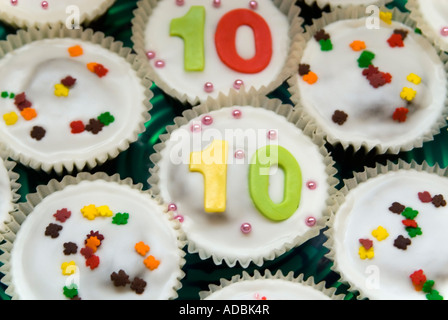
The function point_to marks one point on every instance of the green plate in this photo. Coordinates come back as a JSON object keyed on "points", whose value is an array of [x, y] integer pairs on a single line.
{"points": [[308, 258]]}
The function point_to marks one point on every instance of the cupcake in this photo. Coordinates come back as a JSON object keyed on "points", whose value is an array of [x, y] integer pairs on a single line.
{"points": [[70, 98], [93, 236], [387, 229], [385, 85], [194, 61], [432, 19], [269, 287], [247, 178], [30, 13], [9, 187]]}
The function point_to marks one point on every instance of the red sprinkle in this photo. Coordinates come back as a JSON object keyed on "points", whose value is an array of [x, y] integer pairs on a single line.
{"points": [[396, 40], [77, 126], [425, 197], [366, 243], [400, 114], [100, 70], [93, 262], [410, 223]]}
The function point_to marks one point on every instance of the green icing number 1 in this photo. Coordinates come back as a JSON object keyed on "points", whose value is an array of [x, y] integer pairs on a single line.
{"points": [[264, 158], [190, 28]]}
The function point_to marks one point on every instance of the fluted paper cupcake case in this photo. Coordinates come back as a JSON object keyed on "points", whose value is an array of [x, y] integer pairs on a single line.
{"points": [[85, 18], [250, 98], [32, 200], [350, 184], [323, 3], [142, 15], [23, 38], [424, 25], [355, 12], [14, 186], [299, 280]]}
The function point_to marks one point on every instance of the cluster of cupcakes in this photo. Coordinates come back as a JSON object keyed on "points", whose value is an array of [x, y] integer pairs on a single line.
{"points": [[239, 178]]}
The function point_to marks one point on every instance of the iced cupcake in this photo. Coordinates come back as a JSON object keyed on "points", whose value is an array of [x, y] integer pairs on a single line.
{"points": [[197, 49], [70, 98], [432, 19], [386, 232], [247, 178], [385, 85], [93, 236], [31, 13], [269, 287]]}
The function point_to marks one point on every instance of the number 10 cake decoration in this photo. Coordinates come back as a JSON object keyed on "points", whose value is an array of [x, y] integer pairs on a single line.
{"points": [[198, 49]]}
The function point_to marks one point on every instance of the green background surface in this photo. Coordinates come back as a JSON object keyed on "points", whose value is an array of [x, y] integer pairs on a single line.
{"points": [[308, 258]]}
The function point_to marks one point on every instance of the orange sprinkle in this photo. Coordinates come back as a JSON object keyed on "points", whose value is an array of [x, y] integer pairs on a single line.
{"points": [[93, 243], [310, 77], [141, 248], [358, 45], [75, 51], [91, 66], [151, 263], [28, 113]]}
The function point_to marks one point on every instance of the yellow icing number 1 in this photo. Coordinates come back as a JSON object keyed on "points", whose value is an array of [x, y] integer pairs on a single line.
{"points": [[212, 163]]}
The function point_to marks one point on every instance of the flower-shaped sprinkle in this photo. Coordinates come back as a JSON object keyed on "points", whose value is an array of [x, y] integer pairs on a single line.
{"points": [[408, 94], [141, 248], [366, 253], [90, 212], [68, 268], [60, 90], [10, 118], [151, 263], [380, 233]]}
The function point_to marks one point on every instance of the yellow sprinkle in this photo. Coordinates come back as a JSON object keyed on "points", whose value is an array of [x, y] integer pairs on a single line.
{"points": [[408, 94], [60, 90], [386, 17], [366, 254], [380, 233], [10, 118], [89, 212], [415, 79], [104, 211], [68, 268]]}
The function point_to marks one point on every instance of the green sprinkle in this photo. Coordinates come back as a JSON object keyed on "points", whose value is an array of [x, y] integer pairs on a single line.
{"points": [[12, 95], [106, 118], [434, 295], [120, 218], [413, 232], [410, 213], [427, 287], [326, 45], [71, 291], [418, 31], [365, 60], [5, 94]]}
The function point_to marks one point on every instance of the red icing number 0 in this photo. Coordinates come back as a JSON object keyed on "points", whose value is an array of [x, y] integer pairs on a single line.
{"points": [[225, 40], [225, 37]]}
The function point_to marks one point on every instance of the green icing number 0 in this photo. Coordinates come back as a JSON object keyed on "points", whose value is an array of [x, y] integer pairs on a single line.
{"points": [[264, 158]]}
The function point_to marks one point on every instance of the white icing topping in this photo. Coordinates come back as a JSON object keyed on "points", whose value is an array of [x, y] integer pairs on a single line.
{"points": [[119, 92], [171, 49], [267, 289], [370, 110], [387, 275], [435, 14], [219, 233], [33, 12], [36, 259]]}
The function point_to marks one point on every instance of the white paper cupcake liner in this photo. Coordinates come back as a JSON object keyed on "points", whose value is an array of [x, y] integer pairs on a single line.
{"points": [[350, 184], [250, 98], [23, 38], [355, 12], [85, 18], [245, 276], [334, 4], [32, 200], [14, 186], [142, 15]]}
